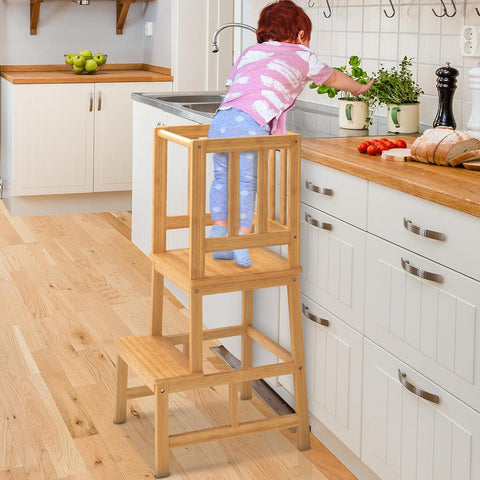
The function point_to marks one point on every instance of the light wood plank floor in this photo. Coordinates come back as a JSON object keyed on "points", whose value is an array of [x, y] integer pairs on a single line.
{"points": [[69, 285]]}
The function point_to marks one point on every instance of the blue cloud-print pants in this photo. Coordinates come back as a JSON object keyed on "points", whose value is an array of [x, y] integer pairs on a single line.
{"points": [[234, 123]]}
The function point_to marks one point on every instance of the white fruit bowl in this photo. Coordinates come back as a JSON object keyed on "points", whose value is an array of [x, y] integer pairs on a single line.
{"points": [[83, 71]]}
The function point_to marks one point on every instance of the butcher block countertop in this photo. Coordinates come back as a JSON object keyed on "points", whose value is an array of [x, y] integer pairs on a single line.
{"points": [[120, 72], [454, 187]]}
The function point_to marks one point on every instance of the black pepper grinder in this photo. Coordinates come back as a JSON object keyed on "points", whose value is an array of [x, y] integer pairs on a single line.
{"points": [[446, 86]]}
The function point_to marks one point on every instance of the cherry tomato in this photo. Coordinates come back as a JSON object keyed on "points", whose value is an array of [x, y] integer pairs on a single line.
{"points": [[373, 150], [400, 143], [362, 148], [389, 144]]}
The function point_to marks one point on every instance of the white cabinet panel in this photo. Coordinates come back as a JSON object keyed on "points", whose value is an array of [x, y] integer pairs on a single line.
{"points": [[339, 194], [333, 261], [434, 326], [411, 222], [406, 437], [51, 143], [334, 374], [113, 132]]}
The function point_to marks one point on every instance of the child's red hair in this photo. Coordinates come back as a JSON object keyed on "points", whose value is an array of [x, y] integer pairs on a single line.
{"points": [[282, 21]]}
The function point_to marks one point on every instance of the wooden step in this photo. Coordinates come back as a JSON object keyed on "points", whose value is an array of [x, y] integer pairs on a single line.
{"points": [[269, 269], [155, 359]]}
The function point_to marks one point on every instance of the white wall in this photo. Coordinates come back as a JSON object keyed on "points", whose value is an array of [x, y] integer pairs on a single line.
{"points": [[66, 27], [359, 27]]}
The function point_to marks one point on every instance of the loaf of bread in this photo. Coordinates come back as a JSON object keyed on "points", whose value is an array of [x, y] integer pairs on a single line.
{"points": [[443, 146]]}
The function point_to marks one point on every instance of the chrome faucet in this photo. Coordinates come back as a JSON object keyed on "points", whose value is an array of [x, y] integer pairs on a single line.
{"points": [[214, 47]]}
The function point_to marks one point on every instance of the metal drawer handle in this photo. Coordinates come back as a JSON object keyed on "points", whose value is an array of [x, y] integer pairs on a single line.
{"points": [[431, 397], [99, 104], [434, 277], [423, 232], [320, 190], [311, 316], [91, 103], [316, 223]]}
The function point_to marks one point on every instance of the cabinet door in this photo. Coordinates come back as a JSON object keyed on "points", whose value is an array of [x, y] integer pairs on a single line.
{"points": [[431, 321], [113, 132], [52, 143], [333, 261], [406, 437], [333, 362]]}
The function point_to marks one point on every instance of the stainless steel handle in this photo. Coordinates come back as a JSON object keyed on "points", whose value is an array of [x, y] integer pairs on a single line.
{"points": [[431, 397], [99, 101], [423, 232], [90, 109], [316, 223], [316, 189], [434, 277], [311, 316]]}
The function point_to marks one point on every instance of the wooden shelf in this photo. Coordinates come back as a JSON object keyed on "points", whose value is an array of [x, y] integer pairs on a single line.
{"points": [[123, 6]]}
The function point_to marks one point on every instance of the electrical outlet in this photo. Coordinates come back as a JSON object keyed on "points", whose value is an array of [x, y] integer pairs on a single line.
{"points": [[148, 29], [470, 41]]}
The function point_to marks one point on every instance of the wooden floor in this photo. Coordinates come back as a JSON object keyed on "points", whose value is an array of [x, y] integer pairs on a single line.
{"points": [[69, 285]]}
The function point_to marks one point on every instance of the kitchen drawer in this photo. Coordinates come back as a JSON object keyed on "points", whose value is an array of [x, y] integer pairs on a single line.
{"points": [[404, 219], [408, 437], [333, 262], [433, 324], [333, 362], [342, 195]]}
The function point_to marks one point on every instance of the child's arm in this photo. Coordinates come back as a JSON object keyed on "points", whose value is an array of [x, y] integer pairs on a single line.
{"points": [[343, 82]]}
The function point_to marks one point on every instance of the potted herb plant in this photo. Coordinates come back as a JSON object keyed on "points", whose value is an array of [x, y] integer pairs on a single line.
{"points": [[396, 88], [354, 112]]}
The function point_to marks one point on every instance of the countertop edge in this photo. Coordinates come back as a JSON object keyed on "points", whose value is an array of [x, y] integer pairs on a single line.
{"points": [[443, 196], [126, 72]]}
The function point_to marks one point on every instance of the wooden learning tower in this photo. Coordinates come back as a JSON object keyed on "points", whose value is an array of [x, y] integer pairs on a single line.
{"points": [[154, 357]]}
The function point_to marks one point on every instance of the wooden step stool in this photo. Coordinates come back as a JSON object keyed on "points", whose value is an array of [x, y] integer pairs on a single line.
{"points": [[155, 357]]}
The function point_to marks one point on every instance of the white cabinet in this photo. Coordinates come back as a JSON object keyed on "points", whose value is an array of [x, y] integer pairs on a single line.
{"points": [[68, 138], [333, 358], [402, 271], [407, 437], [432, 323]]}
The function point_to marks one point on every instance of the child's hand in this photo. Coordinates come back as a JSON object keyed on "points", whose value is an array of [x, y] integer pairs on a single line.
{"points": [[362, 88]]}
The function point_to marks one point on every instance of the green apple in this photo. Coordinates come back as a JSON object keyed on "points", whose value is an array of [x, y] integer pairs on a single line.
{"points": [[86, 53], [69, 58], [77, 69], [79, 60], [91, 65], [99, 58]]}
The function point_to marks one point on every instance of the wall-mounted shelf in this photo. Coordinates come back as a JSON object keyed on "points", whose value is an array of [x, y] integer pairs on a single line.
{"points": [[123, 7]]}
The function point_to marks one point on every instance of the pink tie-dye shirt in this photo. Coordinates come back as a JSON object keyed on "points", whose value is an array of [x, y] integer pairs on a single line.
{"points": [[267, 79]]}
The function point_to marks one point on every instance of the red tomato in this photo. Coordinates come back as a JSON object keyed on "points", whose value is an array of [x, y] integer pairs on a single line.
{"points": [[373, 150], [400, 143], [362, 148], [389, 144]]}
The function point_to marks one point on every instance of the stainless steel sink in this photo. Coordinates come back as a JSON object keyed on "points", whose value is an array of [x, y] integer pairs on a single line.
{"points": [[191, 98], [195, 106], [203, 107]]}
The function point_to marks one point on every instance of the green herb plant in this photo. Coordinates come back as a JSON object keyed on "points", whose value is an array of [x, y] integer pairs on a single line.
{"points": [[395, 85], [353, 70]]}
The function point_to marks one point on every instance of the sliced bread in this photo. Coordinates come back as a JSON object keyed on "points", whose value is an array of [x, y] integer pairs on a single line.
{"points": [[397, 154], [423, 148], [465, 157], [455, 145]]}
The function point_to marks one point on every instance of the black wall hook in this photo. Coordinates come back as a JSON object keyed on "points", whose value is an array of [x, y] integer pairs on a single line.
{"points": [[445, 13], [393, 10], [329, 11]]}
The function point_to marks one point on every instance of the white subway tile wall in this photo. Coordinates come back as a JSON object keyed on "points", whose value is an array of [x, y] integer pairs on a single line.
{"points": [[381, 34]]}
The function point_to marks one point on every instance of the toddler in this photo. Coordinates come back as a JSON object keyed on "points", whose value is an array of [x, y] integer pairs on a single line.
{"points": [[263, 85]]}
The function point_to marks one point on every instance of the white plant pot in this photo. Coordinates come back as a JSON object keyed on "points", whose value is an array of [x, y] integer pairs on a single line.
{"points": [[352, 114], [403, 118]]}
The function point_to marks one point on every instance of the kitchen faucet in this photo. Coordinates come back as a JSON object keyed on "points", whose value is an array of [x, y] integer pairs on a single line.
{"points": [[214, 46]]}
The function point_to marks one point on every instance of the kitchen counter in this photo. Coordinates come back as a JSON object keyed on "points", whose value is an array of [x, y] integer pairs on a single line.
{"points": [[456, 188], [132, 72]]}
